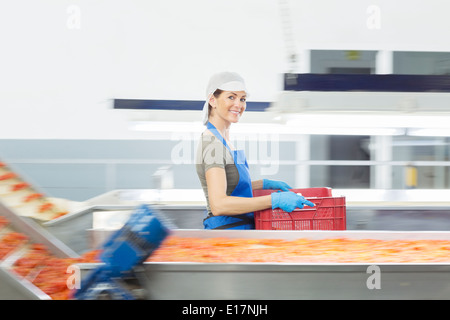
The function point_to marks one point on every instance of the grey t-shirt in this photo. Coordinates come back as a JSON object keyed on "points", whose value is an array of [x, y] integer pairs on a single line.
{"points": [[211, 153]]}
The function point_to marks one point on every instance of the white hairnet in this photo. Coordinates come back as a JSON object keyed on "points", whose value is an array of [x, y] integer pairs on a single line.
{"points": [[227, 81]]}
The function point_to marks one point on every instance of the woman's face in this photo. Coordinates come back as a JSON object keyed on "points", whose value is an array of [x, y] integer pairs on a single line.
{"points": [[229, 106]]}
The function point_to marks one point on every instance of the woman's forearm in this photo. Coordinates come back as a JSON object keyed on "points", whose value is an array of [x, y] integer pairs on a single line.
{"points": [[257, 184], [230, 205], [221, 204]]}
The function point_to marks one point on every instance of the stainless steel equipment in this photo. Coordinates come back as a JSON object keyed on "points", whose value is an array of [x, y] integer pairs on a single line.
{"points": [[72, 228]]}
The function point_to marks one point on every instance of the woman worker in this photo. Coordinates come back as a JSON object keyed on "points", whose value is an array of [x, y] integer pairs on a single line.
{"points": [[223, 171]]}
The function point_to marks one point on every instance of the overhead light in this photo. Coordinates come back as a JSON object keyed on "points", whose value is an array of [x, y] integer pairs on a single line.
{"points": [[351, 131], [318, 124], [165, 126], [345, 124], [369, 120], [263, 128], [429, 132]]}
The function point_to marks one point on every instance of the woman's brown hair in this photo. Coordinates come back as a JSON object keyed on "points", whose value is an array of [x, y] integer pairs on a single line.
{"points": [[216, 94]]}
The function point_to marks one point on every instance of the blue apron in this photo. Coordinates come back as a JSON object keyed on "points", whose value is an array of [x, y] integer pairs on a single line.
{"points": [[243, 189]]}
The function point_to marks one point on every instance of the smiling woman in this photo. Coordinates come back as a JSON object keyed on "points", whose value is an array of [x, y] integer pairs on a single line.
{"points": [[227, 105], [223, 171]]}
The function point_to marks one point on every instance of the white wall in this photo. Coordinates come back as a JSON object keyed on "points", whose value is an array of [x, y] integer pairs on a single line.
{"points": [[410, 25], [61, 62]]}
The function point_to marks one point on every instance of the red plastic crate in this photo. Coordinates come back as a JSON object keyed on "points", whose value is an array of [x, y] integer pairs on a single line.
{"points": [[329, 213]]}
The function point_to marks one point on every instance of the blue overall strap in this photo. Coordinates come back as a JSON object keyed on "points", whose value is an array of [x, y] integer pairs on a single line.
{"points": [[217, 134]]}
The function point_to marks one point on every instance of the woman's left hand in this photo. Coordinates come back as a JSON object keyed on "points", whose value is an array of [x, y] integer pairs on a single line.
{"points": [[275, 185]]}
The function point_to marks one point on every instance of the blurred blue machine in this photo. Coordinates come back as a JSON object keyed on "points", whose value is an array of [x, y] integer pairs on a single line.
{"points": [[122, 255]]}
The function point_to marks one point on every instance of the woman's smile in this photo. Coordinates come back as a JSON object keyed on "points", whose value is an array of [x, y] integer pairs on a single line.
{"points": [[236, 112]]}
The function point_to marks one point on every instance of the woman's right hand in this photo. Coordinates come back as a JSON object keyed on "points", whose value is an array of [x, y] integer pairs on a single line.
{"points": [[288, 201]]}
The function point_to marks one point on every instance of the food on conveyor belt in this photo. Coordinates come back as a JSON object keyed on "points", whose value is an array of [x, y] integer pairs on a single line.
{"points": [[19, 195], [8, 176], [37, 264], [32, 196], [3, 222], [47, 272], [10, 242], [340, 250]]}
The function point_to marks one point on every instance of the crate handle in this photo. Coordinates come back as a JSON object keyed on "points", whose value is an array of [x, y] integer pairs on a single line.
{"points": [[311, 208]]}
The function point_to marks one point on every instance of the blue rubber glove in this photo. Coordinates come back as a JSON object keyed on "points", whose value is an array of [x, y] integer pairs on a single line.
{"points": [[288, 201], [275, 185]]}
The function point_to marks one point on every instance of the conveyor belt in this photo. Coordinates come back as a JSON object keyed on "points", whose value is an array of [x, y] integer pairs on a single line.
{"points": [[13, 286], [25, 199], [295, 280], [72, 228]]}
